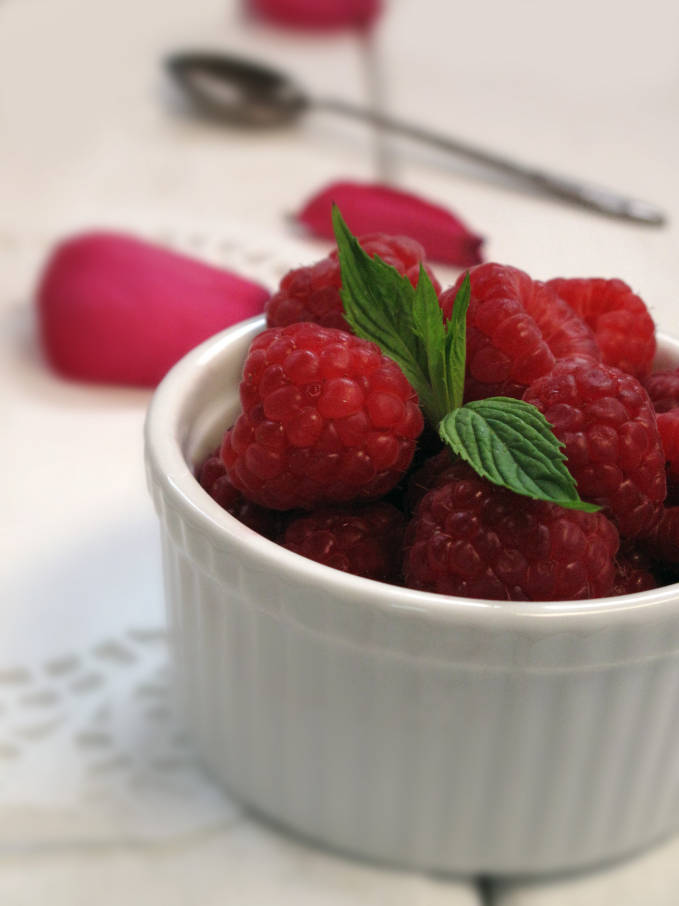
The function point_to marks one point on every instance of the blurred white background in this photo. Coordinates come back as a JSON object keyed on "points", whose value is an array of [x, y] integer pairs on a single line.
{"points": [[88, 129]]}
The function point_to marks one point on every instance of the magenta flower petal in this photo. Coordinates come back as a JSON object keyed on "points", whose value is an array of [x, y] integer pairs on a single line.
{"points": [[318, 14], [114, 309], [369, 208]]}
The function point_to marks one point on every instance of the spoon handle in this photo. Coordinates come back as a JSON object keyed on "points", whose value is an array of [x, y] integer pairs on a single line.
{"points": [[373, 74], [599, 199]]}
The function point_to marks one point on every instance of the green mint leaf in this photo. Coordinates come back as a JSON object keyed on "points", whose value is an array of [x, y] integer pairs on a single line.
{"points": [[512, 444], [378, 305], [456, 343], [429, 328], [406, 323]]}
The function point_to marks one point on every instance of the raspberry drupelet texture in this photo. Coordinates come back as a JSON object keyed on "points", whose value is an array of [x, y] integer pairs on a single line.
{"points": [[663, 389], [620, 320], [472, 538], [213, 478], [668, 426], [516, 329], [313, 293], [662, 543], [326, 419], [633, 571], [422, 479], [365, 541], [608, 427]]}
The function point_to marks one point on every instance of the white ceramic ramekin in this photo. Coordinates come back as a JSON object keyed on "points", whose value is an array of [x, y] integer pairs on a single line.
{"points": [[425, 731]]}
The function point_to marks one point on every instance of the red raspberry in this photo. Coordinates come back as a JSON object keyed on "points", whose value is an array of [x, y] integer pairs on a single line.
{"points": [[365, 541], [620, 320], [662, 543], [516, 329], [472, 538], [668, 426], [423, 479], [213, 478], [663, 388], [312, 293], [607, 424], [633, 572], [326, 419]]}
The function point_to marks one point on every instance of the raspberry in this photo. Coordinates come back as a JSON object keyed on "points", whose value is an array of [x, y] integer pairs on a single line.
{"points": [[312, 293], [662, 543], [516, 329], [423, 479], [365, 541], [472, 538], [326, 419], [607, 424], [213, 478], [620, 320], [633, 572], [668, 426], [663, 388]]}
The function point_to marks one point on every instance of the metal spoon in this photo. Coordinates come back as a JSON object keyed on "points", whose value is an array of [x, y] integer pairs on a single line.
{"points": [[248, 93]]}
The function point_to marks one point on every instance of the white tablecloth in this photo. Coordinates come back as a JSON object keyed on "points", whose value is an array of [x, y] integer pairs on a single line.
{"points": [[98, 792]]}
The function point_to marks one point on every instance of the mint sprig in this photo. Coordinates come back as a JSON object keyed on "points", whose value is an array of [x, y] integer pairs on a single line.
{"points": [[382, 306], [507, 441]]}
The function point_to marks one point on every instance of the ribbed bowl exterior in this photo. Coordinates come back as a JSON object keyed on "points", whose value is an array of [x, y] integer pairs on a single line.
{"points": [[413, 729]]}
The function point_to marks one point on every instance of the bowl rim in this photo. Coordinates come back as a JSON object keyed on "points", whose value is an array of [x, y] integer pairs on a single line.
{"points": [[168, 468]]}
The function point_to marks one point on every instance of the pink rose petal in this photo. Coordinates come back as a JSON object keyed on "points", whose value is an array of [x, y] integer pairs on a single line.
{"points": [[369, 208], [318, 14], [118, 310]]}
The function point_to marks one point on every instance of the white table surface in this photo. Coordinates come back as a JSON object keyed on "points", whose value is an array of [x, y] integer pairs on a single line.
{"points": [[98, 793]]}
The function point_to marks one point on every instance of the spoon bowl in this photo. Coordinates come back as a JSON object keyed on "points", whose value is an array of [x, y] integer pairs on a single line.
{"points": [[238, 91]]}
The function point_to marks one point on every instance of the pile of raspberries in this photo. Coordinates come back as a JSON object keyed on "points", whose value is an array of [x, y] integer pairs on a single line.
{"points": [[330, 456]]}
